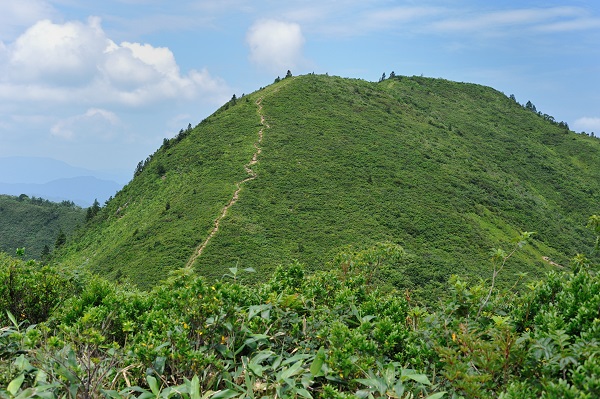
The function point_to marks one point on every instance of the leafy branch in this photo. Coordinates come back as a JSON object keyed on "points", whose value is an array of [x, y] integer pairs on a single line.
{"points": [[499, 259]]}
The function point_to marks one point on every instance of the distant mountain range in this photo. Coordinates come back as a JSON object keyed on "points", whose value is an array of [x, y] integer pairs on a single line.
{"points": [[56, 180]]}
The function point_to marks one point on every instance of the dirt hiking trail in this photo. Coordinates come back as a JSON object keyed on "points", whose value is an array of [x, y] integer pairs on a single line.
{"points": [[234, 198]]}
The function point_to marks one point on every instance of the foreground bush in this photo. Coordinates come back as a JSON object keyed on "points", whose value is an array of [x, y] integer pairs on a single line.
{"points": [[331, 335], [30, 290]]}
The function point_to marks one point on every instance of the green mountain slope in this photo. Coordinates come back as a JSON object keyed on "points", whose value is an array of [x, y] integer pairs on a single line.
{"points": [[33, 223], [447, 170]]}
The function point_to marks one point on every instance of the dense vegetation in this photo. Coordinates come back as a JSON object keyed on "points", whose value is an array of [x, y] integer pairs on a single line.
{"points": [[444, 169], [387, 194], [332, 334], [34, 223]]}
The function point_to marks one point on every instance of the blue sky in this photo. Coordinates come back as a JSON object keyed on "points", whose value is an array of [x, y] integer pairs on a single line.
{"points": [[99, 84]]}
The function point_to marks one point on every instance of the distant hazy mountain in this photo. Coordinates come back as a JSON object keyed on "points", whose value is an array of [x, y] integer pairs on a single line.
{"points": [[82, 190], [43, 170], [56, 180]]}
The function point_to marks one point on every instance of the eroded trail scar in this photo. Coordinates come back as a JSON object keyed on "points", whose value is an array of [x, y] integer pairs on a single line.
{"points": [[251, 175]]}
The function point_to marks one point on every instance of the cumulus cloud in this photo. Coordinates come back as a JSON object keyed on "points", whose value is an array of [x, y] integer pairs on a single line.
{"points": [[587, 124], [94, 123], [76, 62], [57, 54], [275, 45]]}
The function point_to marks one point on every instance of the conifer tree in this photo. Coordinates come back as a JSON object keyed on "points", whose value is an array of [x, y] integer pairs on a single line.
{"points": [[45, 253], [92, 211], [61, 239]]}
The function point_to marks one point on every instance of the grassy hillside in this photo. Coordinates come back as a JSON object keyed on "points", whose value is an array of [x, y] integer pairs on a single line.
{"points": [[34, 222], [447, 170]]}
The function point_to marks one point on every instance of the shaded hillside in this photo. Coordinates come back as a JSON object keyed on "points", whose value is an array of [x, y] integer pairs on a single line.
{"points": [[33, 223], [447, 170]]}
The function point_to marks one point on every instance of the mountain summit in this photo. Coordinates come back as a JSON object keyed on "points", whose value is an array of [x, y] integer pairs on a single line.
{"points": [[311, 165]]}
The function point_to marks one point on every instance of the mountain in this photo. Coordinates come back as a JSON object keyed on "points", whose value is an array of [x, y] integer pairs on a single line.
{"points": [[82, 190], [56, 180], [313, 166], [32, 223]]}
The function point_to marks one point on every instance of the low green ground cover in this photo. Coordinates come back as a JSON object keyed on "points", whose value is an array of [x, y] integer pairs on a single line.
{"points": [[333, 334]]}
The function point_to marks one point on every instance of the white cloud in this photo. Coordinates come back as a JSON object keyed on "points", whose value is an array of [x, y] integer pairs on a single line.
{"points": [[76, 63], [507, 20], [383, 18], [339, 21], [160, 57], [16, 14], [570, 25], [3, 54], [124, 71], [275, 45], [95, 122], [587, 124], [58, 54]]}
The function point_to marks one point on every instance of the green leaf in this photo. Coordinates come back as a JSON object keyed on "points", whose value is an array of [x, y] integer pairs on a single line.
{"points": [[276, 362], [421, 378], [15, 384], [23, 364], [46, 391], [167, 392], [225, 394], [110, 393], [399, 389], [12, 319], [367, 318], [195, 388], [67, 374], [73, 388], [256, 368], [261, 356], [374, 384], [253, 311], [40, 378], [27, 393], [304, 393], [390, 374], [255, 337], [292, 370], [159, 362], [299, 356], [437, 395], [317, 364], [153, 384]]}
